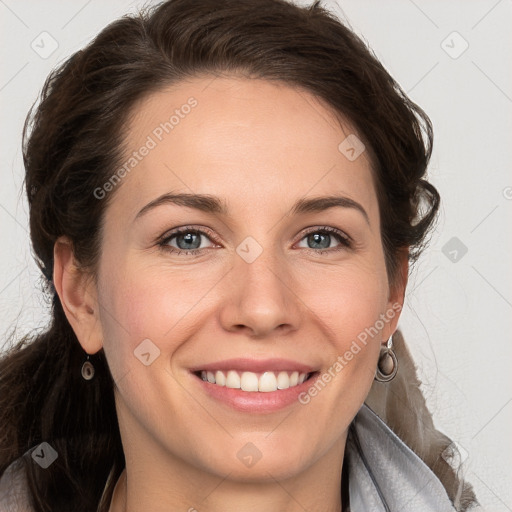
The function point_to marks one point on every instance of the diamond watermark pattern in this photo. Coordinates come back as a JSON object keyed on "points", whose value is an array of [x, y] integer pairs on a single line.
{"points": [[44, 45], [352, 147], [455, 454], [249, 249], [454, 45], [146, 352], [249, 455], [44, 455], [454, 249]]}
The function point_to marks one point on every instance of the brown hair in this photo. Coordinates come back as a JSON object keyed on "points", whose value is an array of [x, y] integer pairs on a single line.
{"points": [[73, 142]]}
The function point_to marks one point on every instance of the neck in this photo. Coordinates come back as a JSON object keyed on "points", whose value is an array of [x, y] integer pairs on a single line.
{"points": [[134, 493]]}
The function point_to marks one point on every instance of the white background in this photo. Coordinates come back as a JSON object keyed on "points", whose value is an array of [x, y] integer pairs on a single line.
{"points": [[457, 320]]}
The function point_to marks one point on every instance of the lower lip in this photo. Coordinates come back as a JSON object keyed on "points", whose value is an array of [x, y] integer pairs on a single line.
{"points": [[256, 401]]}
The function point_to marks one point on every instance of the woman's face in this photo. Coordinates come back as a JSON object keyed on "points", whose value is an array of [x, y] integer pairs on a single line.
{"points": [[260, 288]]}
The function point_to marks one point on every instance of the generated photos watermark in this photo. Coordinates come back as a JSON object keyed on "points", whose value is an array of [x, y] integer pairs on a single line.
{"points": [[152, 140], [343, 359]]}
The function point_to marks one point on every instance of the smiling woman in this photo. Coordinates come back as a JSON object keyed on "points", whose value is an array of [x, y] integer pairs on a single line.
{"points": [[225, 197]]}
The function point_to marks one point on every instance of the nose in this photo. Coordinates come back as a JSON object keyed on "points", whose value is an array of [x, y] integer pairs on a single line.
{"points": [[260, 298]]}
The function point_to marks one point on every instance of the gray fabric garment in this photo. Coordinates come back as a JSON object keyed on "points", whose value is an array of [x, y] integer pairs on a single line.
{"points": [[385, 475], [13, 490]]}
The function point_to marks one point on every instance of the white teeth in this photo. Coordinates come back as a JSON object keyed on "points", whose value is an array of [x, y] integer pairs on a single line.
{"points": [[283, 381], [220, 379], [233, 380], [268, 382], [249, 381]]}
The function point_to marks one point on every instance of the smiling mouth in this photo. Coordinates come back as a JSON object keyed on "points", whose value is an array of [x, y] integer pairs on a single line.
{"points": [[264, 382]]}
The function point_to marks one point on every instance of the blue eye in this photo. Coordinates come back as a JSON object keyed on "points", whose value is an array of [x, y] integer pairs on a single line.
{"points": [[319, 240], [188, 240]]}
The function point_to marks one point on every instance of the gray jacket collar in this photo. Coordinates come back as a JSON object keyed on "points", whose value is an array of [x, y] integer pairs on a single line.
{"points": [[385, 475]]}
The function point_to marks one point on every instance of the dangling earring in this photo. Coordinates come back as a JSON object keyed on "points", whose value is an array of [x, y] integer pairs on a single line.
{"points": [[87, 369], [387, 366]]}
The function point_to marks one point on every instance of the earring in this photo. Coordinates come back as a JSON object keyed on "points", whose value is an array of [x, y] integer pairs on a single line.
{"points": [[387, 366], [87, 369]]}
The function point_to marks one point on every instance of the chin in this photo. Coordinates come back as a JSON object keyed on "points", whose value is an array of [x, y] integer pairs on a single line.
{"points": [[262, 460]]}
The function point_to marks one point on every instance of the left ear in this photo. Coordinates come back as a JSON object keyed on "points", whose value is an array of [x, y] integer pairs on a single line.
{"points": [[397, 294], [77, 294]]}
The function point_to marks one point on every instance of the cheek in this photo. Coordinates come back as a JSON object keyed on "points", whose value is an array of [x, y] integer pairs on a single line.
{"points": [[349, 304], [350, 312], [141, 304], [349, 298]]}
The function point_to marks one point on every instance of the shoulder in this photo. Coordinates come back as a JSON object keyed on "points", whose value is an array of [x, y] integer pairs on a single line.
{"points": [[14, 492], [385, 474]]}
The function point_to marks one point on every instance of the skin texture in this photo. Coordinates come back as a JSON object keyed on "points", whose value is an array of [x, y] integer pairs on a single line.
{"points": [[260, 147]]}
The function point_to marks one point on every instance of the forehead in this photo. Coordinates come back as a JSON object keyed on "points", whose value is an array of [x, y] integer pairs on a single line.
{"points": [[247, 140]]}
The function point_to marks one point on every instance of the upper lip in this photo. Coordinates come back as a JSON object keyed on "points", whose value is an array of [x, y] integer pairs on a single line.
{"points": [[256, 365]]}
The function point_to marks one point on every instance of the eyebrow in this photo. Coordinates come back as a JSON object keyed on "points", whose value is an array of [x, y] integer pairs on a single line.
{"points": [[211, 204]]}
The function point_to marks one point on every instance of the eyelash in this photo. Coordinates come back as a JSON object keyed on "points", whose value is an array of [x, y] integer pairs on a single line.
{"points": [[345, 241]]}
